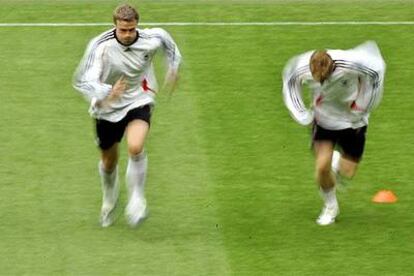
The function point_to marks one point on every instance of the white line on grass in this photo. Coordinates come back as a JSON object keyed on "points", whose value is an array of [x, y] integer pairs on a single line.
{"points": [[275, 23]]}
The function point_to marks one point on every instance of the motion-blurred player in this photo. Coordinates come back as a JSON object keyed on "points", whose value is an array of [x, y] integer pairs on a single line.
{"points": [[346, 85]]}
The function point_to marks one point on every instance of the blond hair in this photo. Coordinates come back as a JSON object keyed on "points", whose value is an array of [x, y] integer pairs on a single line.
{"points": [[125, 12], [321, 65]]}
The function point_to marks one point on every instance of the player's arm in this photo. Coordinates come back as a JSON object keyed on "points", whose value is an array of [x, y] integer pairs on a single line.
{"points": [[370, 89], [293, 78], [87, 76], [87, 79], [371, 84], [173, 57], [367, 63]]}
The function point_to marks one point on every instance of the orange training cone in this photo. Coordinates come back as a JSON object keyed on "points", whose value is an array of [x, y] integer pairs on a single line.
{"points": [[385, 196]]}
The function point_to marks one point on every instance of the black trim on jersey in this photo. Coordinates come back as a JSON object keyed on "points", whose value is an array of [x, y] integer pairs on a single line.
{"points": [[293, 88], [105, 37], [168, 45], [367, 71], [90, 58], [358, 67]]}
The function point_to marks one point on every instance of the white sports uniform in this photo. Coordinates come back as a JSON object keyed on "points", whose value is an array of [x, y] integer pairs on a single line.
{"points": [[106, 60], [346, 98]]}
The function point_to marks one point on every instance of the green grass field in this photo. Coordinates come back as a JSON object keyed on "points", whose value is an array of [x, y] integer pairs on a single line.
{"points": [[230, 186]]}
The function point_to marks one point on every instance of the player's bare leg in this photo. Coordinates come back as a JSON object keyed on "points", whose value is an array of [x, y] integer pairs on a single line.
{"points": [[326, 180], [344, 167], [108, 170], [347, 166], [136, 209]]}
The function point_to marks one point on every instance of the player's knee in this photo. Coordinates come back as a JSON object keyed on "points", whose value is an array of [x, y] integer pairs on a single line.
{"points": [[109, 164], [109, 161], [323, 171], [348, 172], [349, 167], [134, 150]]}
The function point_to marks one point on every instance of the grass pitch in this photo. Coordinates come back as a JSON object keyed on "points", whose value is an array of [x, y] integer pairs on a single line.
{"points": [[230, 186]]}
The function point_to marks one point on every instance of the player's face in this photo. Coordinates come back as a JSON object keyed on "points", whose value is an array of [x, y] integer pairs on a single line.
{"points": [[126, 31]]}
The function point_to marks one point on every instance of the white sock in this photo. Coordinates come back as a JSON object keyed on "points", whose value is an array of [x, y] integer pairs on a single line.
{"points": [[136, 175], [109, 183], [329, 196]]}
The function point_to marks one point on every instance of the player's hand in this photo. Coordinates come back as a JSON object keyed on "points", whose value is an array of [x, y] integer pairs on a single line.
{"points": [[118, 88], [307, 118]]}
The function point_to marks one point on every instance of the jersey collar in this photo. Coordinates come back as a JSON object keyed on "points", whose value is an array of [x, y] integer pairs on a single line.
{"points": [[126, 45]]}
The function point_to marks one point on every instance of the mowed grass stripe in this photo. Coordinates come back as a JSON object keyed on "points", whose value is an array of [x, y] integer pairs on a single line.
{"points": [[183, 184]]}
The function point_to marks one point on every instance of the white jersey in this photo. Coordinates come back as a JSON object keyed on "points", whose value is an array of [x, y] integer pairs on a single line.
{"points": [[106, 60], [346, 98]]}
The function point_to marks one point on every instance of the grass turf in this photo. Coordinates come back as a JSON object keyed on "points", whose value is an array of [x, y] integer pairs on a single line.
{"points": [[230, 185]]}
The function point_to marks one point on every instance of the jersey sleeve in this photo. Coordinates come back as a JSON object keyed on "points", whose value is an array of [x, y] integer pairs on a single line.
{"points": [[173, 55], [367, 62], [372, 77], [370, 93], [87, 76], [294, 76]]}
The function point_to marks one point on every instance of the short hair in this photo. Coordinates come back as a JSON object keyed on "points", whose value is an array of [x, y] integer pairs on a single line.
{"points": [[321, 65], [125, 12]]}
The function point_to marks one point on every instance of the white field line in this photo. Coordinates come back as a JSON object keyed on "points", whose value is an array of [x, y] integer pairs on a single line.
{"points": [[275, 23]]}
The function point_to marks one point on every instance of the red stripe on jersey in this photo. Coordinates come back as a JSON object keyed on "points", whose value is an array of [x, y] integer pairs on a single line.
{"points": [[355, 107], [145, 87]]}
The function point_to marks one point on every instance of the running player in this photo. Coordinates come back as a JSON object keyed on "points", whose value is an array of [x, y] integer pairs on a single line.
{"points": [[346, 85], [117, 78]]}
